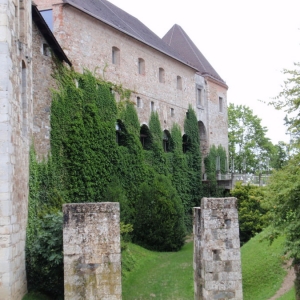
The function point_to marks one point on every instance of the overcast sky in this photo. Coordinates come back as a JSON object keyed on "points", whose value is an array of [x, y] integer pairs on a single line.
{"points": [[248, 43]]}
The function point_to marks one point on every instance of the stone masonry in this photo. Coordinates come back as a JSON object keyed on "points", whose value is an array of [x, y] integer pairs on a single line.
{"points": [[92, 253], [15, 129], [217, 259]]}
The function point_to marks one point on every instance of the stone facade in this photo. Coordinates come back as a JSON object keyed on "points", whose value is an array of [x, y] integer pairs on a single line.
{"points": [[25, 100], [92, 251], [15, 130], [88, 42], [217, 258]]}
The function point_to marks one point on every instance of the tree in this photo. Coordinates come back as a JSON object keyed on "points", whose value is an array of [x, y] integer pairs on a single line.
{"points": [[284, 187], [249, 147]]}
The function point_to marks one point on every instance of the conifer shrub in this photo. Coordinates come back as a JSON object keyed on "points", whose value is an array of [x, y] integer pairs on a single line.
{"points": [[159, 221]]}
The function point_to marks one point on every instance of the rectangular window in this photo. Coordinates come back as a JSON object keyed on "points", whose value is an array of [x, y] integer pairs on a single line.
{"points": [[152, 106], [138, 102], [199, 97], [172, 112], [115, 56], [141, 66], [220, 104]]}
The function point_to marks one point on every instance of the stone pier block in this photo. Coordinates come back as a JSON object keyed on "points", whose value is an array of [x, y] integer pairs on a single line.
{"points": [[217, 259], [92, 252]]}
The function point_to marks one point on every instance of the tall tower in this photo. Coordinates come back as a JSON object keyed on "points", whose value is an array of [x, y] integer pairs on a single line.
{"points": [[15, 129]]}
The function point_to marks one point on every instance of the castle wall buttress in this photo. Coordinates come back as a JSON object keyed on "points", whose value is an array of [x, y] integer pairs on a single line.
{"points": [[15, 132]]}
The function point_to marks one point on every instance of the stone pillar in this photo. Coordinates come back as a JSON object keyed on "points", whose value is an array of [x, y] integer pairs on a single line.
{"points": [[217, 259], [92, 252]]}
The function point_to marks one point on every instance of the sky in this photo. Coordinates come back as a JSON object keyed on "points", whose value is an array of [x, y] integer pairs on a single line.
{"points": [[248, 43]]}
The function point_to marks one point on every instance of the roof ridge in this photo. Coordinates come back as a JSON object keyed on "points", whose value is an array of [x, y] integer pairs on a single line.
{"points": [[123, 20], [187, 40]]}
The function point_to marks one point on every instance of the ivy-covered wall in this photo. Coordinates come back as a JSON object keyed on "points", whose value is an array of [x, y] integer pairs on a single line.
{"points": [[96, 155]]}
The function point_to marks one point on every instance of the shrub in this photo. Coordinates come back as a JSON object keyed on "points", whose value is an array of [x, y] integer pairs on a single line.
{"points": [[159, 220]]}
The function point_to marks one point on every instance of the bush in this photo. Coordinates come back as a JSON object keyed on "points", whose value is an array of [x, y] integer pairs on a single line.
{"points": [[44, 257], [159, 220], [252, 217]]}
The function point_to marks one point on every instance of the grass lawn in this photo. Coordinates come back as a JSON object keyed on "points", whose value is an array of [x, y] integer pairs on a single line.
{"points": [[161, 275], [290, 295], [169, 275], [262, 268]]}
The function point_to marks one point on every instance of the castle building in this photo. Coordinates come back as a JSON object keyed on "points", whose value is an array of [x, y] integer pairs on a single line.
{"points": [[165, 75]]}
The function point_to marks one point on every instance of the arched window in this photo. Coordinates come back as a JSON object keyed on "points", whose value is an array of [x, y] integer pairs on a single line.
{"points": [[166, 140], [141, 66], [179, 83], [161, 75], [145, 137], [115, 55]]}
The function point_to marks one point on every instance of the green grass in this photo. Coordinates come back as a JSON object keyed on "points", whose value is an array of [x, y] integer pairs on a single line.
{"points": [[160, 275], [169, 275], [290, 295], [262, 268]]}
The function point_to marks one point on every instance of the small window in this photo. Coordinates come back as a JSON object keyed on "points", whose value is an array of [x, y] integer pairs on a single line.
{"points": [[46, 50], [161, 75], [220, 104], [179, 83], [152, 106], [115, 55], [166, 141], [141, 66], [199, 97], [172, 112], [138, 102]]}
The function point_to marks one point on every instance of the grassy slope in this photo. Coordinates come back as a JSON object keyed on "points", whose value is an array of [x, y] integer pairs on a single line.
{"points": [[164, 275], [169, 276], [261, 267]]}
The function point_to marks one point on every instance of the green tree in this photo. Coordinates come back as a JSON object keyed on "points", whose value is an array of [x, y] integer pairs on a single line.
{"points": [[252, 215], [284, 187], [280, 155], [248, 145]]}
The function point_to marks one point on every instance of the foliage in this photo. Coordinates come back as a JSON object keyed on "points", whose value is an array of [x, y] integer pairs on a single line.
{"points": [[289, 101], [193, 156], [252, 216], [249, 147], [44, 256], [159, 216], [280, 155]]}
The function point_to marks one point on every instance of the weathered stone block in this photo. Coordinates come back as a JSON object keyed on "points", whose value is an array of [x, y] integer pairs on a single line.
{"points": [[92, 254], [217, 250]]}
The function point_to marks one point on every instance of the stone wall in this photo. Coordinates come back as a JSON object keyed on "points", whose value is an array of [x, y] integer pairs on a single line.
{"points": [[217, 259], [42, 70], [92, 253], [15, 129]]}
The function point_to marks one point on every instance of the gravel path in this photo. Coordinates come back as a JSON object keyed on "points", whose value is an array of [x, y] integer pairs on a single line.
{"points": [[287, 284]]}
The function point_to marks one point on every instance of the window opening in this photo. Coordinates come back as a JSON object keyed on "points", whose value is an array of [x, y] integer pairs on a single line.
{"points": [[138, 102], [220, 104], [199, 97], [166, 141], [24, 99], [115, 56], [172, 112], [161, 75], [145, 137], [46, 50], [152, 106], [141, 66], [179, 83]]}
